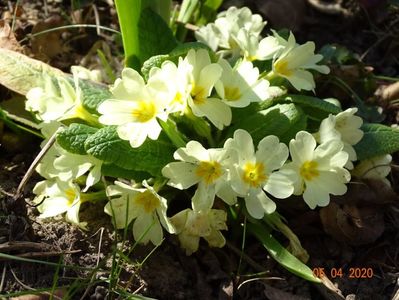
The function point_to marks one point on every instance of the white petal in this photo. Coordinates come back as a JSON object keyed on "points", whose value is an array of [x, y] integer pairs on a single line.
{"points": [[193, 152], [271, 153], [215, 110], [279, 185], [258, 203], [301, 149], [203, 197], [181, 174]]}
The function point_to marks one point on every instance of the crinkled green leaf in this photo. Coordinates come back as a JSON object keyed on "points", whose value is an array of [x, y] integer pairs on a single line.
{"points": [[150, 157], [155, 36], [93, 94], [113, 170], [282, 120], [280, 254], [73, 138], [315, 108], [378, 139], [20, 73]]}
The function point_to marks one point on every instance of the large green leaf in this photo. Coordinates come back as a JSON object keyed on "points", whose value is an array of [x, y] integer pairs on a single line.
{"points": [[150, 157], [93, 94], [282, 120], [20, 73], [73, 138], [280, 254], [155, 36], [315, 108], [377, 140], [113, 170]]}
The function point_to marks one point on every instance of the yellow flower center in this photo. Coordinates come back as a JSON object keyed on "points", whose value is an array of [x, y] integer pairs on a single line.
{"points": [[178, 98], [145, 111], [309, 170], [254, 174], [148, 201], [281, 67], [70, 195], [232, 93], [198, 93], [209, 171]]}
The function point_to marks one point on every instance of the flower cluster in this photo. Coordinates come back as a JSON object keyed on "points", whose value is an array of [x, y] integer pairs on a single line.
{"points": [[216, 157]]}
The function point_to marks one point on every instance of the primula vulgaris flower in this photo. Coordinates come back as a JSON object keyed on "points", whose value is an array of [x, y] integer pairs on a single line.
{"points": [[240, 86], [375, 168], [293, 62], [208, 168], [142, 204], [58, 99], [174, 79], [53, 100], [135, 107], [69, 166], [202, 76], [223, 33], [191, 226], [344, 126], [253, 173], [319, 170], [57, 197]]}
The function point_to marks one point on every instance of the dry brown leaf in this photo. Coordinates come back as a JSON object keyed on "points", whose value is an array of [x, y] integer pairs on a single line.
{"points": [[389, 92], [351, 224], [7, 38]]}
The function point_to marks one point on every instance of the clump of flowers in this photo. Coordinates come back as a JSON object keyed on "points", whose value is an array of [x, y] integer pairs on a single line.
{"points": [[205, 130]]}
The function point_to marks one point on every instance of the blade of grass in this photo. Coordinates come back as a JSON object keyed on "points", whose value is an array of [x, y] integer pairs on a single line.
{"points": [[280, 254]]}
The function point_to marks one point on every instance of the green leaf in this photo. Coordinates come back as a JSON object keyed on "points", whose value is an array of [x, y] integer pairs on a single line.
{"points": [[282, 120], [93, 94], [20, 73], [314, 107], [155, 36], [208, 11], [150, 157], [377, 140], [113, 170], [280, 254], [73, 138]]}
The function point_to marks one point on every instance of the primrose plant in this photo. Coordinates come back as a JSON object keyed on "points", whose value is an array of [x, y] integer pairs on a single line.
{"points": [[203, 135]]}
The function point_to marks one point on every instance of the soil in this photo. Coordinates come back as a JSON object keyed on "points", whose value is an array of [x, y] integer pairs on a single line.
{"points": [[370, 29]]}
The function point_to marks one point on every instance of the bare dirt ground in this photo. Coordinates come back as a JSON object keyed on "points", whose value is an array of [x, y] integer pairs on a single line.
{"points": [[367, 28]]}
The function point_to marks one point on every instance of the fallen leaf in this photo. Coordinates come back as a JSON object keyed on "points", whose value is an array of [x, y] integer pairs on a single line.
{"points": [[7, 38]]}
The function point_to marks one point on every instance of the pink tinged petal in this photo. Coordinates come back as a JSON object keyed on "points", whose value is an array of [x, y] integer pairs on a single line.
{"points": [[181, 174], [302, 148], [315, 196], [215, 239], [271, 153], [279, 185], [194, 152], [203, 197], [258, 203], [215, 110]]}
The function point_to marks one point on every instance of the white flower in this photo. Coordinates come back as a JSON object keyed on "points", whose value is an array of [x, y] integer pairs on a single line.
{"points": [[375, 168], [205, 167], [253, 172], [57, 197], [241, 86], [223, 33], [175, 80], [191, 226], [143, 205], [53, 100], [344, 126], [293, 61], [319, 170], [203, 75], [254, 49], [69, 166], [134, 108]]}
